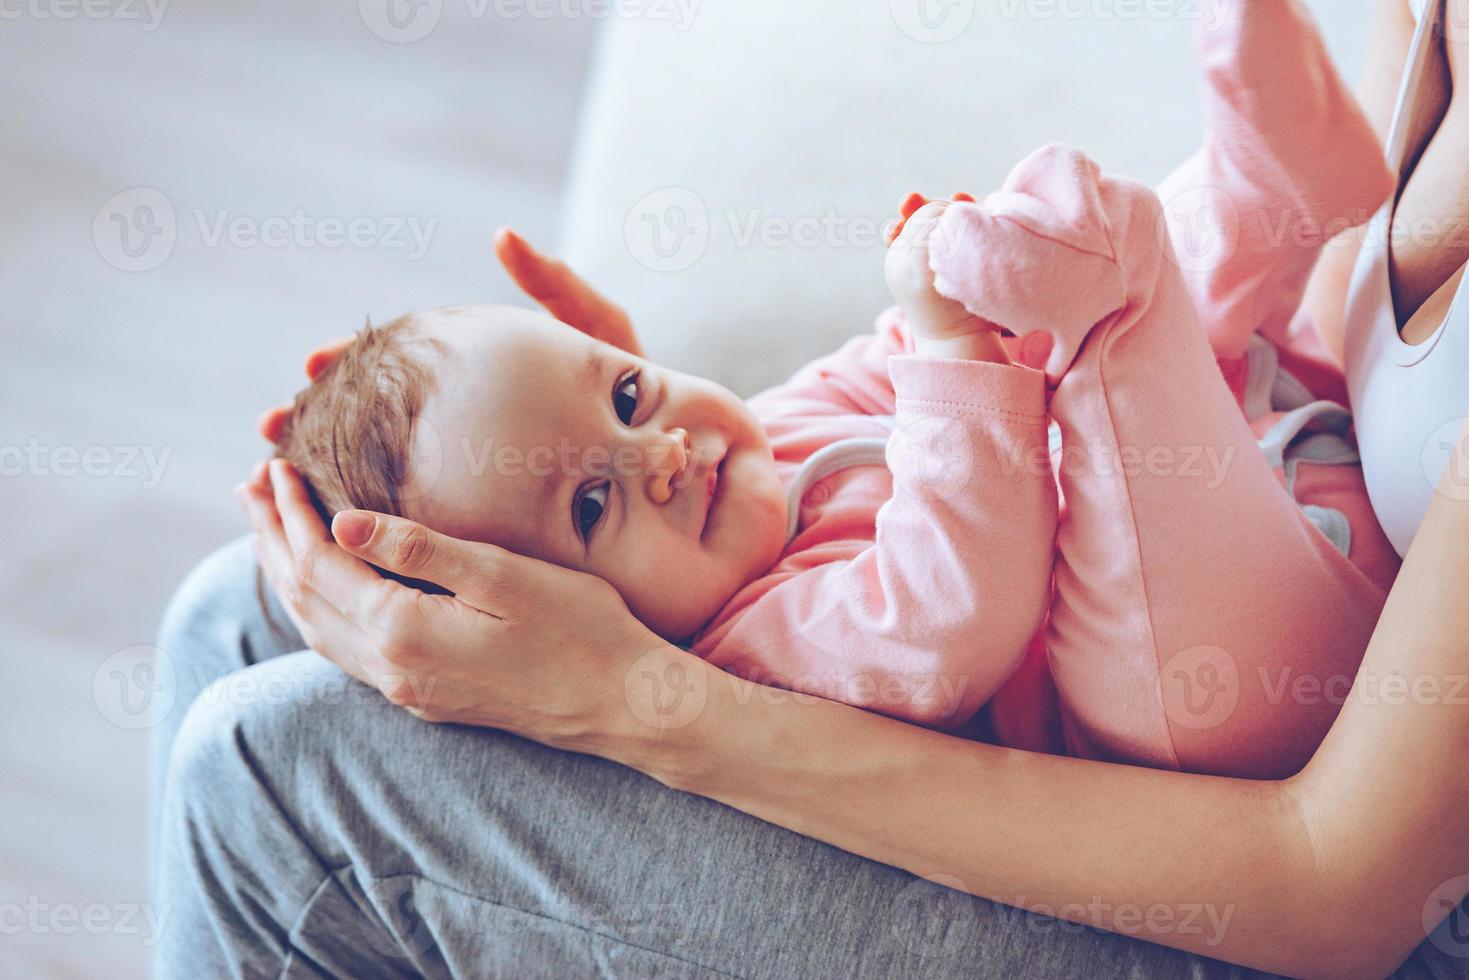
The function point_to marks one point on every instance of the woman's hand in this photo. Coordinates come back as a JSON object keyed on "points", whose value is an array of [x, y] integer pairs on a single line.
{"points": [[550, 282], [522, 645]]}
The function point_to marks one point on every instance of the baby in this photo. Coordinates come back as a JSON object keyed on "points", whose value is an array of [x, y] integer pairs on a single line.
{"points": [[884, 529]]}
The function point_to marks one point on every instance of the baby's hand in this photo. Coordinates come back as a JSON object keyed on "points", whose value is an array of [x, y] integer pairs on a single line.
{"points": [[940, 325]]}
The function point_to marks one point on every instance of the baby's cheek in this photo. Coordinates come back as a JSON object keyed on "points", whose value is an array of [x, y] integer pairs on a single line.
{"points": [[672, 589]]}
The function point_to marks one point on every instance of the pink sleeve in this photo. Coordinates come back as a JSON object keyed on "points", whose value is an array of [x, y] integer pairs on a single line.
{"points": [[927, 622]]}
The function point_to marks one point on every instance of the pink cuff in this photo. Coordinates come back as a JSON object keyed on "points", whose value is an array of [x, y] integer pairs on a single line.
{"points": [[937, 386]]}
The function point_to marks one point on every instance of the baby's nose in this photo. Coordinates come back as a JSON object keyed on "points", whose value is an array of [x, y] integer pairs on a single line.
{"points": [[667, 459]]}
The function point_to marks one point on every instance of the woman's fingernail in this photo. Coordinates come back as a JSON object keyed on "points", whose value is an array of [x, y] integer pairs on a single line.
{"points": [[353, 527]]}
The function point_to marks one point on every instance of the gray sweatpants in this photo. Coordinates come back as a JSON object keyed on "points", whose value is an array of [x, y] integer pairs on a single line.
{"points": [[308, 828]]}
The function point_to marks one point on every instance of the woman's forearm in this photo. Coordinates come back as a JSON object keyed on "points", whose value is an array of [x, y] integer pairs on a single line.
{"points": [[1387, 794], [1215, 866], [1326, 295], [1329, 873]]}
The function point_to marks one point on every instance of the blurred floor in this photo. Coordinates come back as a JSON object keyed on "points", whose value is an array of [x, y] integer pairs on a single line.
{"points": [[233, 110]]}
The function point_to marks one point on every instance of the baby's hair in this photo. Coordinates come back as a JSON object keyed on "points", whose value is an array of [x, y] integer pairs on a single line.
{"points": [[350, 430]]}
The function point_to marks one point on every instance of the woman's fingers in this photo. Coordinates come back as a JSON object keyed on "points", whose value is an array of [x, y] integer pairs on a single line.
{"points": [[317, 563], [325, 627], [272, 424], [489, 578], [564, 294], [325, 356]]}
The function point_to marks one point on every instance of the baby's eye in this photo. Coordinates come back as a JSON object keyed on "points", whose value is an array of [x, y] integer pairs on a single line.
{"points": [[587, 510], [625, 398]]}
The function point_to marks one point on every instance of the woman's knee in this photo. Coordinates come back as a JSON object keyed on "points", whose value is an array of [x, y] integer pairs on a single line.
{"points": [[215, 623], [256, 738]]}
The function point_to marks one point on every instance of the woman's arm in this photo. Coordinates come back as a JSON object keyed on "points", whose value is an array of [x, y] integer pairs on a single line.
{"points": [[1328, 873], [1326, 294]]}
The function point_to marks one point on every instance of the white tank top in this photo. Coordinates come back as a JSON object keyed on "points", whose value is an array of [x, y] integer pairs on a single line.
{"points": [[1409, 400]]}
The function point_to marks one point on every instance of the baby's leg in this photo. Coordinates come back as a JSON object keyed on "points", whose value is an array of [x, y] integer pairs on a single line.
{"points": [[1288, 161], [1192, 593]]}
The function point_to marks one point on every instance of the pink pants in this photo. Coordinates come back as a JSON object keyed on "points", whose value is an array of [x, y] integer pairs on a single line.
{"points": [[1201, 620]]}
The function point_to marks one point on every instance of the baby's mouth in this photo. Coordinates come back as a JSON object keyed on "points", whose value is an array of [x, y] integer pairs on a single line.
{"points": [[711, 496]]}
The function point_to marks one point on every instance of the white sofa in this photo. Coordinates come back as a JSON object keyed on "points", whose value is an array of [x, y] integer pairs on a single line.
{"points": [[779, 134]]}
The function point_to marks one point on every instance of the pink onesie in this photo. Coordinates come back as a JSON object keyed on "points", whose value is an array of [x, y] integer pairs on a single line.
{"points": [[1217, 568]]}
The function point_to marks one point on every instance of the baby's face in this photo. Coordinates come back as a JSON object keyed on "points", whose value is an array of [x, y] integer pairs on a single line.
{"points": [[544, 441]]}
